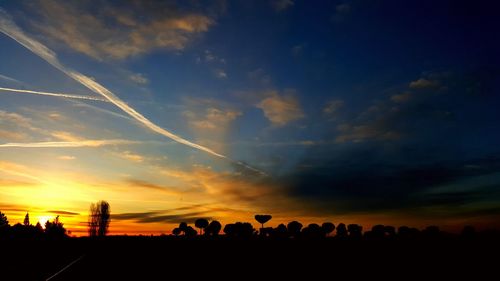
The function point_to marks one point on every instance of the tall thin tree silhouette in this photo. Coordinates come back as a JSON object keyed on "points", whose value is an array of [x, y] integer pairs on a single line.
{"points": [[99, 218], [26, 220]]}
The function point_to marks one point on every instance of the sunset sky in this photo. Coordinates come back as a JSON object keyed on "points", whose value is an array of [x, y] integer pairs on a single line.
{"points": [[345, 111]]}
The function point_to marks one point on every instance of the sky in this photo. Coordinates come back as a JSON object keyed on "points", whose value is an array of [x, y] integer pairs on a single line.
{"points": [[369, 112]]}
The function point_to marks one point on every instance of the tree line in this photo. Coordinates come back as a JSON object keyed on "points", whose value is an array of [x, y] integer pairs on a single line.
{"points": [[100, 216]]}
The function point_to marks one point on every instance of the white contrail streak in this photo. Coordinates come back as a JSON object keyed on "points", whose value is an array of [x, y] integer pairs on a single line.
{"points": [[65, 144], [9, 28], [10, 79], [61, 95]]}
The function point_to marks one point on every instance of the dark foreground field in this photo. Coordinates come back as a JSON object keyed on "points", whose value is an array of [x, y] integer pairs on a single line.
{"points": [[167, 258]]}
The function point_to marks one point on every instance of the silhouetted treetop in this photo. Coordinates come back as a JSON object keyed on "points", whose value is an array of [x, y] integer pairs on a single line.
{"points": [[213, 228], [294, 228], [201, 224], [3, 220]]}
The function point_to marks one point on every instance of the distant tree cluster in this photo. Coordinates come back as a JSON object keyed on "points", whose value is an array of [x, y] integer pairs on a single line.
{"points": [[207, 229], [52, 229], [313, 231]]}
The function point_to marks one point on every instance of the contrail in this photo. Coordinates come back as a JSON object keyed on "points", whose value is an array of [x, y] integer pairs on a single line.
{"points": [[63, 144], [53, 94], [9, 28], [7, 78]]}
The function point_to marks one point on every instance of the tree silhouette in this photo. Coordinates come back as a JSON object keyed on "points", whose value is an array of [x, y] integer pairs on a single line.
{"points": [[176, 231], [262, 219], [38, 228], [26, 220], [294, 228], [281, 231], [55, 229], [312, 231], [341, 231], [213, 228], [355, 231], [4, 222], [99, 218], [201, 224], [327, 228], [239, 229]]}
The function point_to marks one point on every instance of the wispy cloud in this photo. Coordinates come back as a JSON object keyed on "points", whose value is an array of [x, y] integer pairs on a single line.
{"points": [[333, 107], [66, 157], [139, 78], [134, 157], [281, 5], [61, 144], [424, 83]]}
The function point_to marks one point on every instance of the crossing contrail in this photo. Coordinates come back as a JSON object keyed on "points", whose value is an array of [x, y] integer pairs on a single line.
{"points": [[61, 95], [9, 28]]}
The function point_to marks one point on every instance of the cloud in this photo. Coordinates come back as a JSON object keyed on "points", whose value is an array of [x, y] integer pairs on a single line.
{"points": [[341, 12], [259, 76], [221, 74], [281, 109], [281, 5], [145, 184], [297, 49], [131, 156], [401, 98], [118, 32], [212, 119], [14, 126], [155, 217], [209, 57], [361, 133], [66, 157], [423, 83], [69, 144], [64, 213], [139, 78], [332, 107]]}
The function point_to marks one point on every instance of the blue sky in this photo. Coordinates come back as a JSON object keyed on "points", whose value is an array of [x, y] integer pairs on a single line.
{"points": [[382, 111]]}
